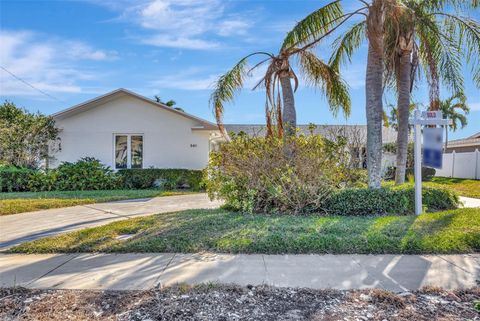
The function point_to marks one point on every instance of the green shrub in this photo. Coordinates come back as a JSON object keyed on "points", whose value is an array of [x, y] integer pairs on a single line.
{"points": [[395, 200], [171, 178], [41, 181], [358, 177], [86, 174], [89, 174], [271, 175], [14, 179]]}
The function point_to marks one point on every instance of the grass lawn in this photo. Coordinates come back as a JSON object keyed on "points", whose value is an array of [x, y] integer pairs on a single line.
{"points": [[464, 187], [12, 203], [455, 231]]}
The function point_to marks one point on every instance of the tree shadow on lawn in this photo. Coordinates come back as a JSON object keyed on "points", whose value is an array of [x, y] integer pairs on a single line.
{"points": [[229, 232], [455, 231], [222, 231], [450, 180]]}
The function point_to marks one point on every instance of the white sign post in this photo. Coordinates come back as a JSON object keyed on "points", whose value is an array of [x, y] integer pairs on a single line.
{"points": [[419, 119]]}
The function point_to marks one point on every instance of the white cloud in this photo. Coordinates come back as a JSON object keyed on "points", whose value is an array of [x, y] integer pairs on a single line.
{"points": [[79, 50], [233, 26], [191, 79], [49, 64], [179, 42], [200, 78], [186, 17], [186, 24]]}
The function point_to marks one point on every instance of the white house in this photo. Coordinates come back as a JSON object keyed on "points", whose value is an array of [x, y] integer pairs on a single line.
{"points": [[126, 130]]}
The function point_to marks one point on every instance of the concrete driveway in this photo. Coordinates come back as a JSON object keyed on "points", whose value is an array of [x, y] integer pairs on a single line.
{"points": [[19, 228]]}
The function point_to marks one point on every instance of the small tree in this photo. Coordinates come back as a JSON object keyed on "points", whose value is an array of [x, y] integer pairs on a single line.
{"points": [[25, 137], [170, 103]]}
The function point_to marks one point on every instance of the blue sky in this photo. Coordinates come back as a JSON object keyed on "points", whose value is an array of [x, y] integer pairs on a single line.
{"points": [[76, 50]]}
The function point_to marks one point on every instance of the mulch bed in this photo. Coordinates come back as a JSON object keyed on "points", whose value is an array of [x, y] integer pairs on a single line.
{"points": [[228, 302]]}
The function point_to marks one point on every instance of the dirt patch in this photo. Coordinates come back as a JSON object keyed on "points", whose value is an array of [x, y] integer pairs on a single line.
{"points": [[228, 302]]}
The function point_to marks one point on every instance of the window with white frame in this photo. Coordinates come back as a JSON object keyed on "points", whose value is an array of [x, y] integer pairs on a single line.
{"points": [[128, 151]]}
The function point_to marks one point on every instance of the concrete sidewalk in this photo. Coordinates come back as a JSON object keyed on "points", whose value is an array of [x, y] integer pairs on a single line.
{"points": [[145, 271], [469, 201], [24, 227]]}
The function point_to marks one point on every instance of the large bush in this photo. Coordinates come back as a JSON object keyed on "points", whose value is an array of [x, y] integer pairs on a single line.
{"points": [[271, 175], [24, 136], [162, 178], [395, 200], [86, 174], [14, 179]]}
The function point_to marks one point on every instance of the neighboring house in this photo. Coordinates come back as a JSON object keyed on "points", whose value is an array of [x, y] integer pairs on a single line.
{"points": [[356, 138], [469, 144], [126, 130]]}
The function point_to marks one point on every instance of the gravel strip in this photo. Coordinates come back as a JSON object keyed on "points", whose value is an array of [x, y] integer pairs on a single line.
{"points": [[228, 302]]}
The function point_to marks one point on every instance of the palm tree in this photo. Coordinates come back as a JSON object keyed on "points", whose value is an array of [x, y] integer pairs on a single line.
{"points": [[392, 119], [280, 103], [324, 21], [399, 45], [407, 20], [421, 34], [455, 108], [169, 103]]}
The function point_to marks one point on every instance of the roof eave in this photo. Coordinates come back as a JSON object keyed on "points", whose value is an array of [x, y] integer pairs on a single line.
{"points": [[77, 108]]}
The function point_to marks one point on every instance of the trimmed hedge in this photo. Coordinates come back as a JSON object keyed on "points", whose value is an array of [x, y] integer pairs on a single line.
{"points": [[90, 174], [14, 179], [85, 174], [383, 201], [171, 178]]}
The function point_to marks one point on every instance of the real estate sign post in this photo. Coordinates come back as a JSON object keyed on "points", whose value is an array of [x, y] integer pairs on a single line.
{"points": [[432, 147]]}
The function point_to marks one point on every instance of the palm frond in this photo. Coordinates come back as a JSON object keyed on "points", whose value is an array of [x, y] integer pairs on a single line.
{"points": [[316, 23], [328, 79], [386, 121], [467, 32], [345, 45], [225, 89], [440, 56]]}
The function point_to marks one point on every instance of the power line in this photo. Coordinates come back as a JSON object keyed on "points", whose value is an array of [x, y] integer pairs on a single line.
{"points": [[30, 85]]}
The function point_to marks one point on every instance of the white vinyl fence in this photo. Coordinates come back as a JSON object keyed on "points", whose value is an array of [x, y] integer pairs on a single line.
{"points": [[461, 165]]}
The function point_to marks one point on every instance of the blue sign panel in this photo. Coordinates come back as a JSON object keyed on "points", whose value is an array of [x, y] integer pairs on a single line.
{"points": [[432, 158], [432, 147]]}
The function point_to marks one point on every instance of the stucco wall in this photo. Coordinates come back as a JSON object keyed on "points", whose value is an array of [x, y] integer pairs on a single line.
{"points": [[167, 136]]}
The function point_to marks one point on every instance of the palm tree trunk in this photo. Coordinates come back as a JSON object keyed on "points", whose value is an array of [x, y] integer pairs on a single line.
{"points": [[374, 93], [374, 109], [403, 109], [289, 114]]}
